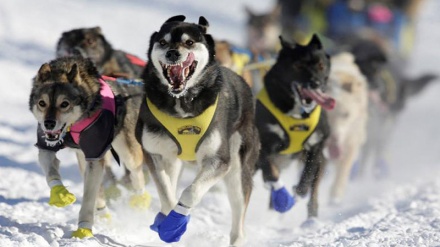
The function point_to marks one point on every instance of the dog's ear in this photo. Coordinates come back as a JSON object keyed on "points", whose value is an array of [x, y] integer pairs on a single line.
{"points": [[315, 42], [97, 29], [203, 23], [43, 73], [178, 18], [285, 44], [249, 11], [150, 48], [73, 74]]}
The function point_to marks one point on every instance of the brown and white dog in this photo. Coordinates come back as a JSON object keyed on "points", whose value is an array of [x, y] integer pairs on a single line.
{"points": [[76, 108]]}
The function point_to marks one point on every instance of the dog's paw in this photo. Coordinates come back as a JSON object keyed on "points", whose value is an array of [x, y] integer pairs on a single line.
{"points": [[112, 192], [281, 200], [60, 196], [160, 217], [103, 215], [140, 201], [82, 233], [173, 227]]}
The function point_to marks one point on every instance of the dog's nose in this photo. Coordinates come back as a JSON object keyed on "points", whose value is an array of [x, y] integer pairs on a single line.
{"points": [[172, 55], [50, 124]]}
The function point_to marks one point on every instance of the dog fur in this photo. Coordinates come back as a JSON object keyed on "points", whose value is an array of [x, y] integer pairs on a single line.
{"points": [[389, 92], [229, 148], [67, 90], [348, 121], [297, 68], [91, 43]]}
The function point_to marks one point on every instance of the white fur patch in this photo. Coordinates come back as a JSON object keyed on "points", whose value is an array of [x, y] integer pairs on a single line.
{"points": [[276, 129], [159, 144], [210, 146], [180, 111]]}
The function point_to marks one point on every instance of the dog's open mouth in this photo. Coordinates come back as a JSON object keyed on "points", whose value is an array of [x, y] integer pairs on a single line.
{"points": [[178, 75], [55, 135], [309, 95]]}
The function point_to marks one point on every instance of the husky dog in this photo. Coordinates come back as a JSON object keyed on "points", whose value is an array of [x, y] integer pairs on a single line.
{"points": [[91, 43], [292, 122], [348, 121], [195, 111], [76, 108], [390, 89]]}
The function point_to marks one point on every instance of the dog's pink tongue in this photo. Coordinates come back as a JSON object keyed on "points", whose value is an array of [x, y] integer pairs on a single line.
{"points": [[177, 71], [321, 98], [176, 74]]}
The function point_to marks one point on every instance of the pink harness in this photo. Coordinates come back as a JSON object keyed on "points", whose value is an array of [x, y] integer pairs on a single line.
{"points": [[108, 103]]}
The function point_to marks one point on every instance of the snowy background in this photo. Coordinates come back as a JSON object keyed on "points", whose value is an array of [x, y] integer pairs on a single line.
{"points": [[404, 210]]}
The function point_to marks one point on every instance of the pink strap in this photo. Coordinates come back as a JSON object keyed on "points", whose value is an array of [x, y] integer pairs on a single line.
{"points": [[108, 103]]}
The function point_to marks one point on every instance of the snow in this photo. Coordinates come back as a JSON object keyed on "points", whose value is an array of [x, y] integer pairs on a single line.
{"points": [[403, 210]]}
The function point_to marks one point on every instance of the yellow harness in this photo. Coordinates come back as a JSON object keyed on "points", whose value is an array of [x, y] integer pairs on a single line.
{"points": [[298, 129], [187, 132]]}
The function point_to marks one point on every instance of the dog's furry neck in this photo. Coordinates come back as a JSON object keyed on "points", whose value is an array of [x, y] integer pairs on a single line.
{"points": [[193, 102], [279, 90]]}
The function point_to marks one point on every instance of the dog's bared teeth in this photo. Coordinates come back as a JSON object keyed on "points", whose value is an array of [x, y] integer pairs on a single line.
{"points": [[186, 72]]}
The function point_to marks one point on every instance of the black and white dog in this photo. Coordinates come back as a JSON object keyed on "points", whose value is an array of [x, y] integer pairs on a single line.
{"points": [[291, 120], [195, 111]]}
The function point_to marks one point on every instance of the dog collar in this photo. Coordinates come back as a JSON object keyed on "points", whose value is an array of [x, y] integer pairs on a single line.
{"points": [[187, 133], [297, 129], [108, 103]]}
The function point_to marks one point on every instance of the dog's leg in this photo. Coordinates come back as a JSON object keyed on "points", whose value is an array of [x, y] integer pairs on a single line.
{"points": [[239, 185], [310, 177], [280, 198], [59, 195], [164, 184], [343, 172], [131, 155], [93, 175]]}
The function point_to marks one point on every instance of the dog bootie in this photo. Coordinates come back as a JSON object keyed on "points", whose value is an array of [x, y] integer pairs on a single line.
{"points": [[140, 201], [173, 227], [160, 217], [60, 196], [281, 200], [82, 233]]}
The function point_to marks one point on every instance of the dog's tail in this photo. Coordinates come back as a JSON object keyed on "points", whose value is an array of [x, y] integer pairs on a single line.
{"points": [[413, 86]]}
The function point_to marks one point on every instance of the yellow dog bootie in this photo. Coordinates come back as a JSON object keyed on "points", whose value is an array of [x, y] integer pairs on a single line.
{"points": [[140, 201], [60, 196], [82, 233]]}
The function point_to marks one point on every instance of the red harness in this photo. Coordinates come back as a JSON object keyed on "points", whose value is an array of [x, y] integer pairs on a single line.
{"points": [[135, 60]]}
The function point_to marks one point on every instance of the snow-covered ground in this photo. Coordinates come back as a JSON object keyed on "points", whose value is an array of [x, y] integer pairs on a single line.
{"points": [[404, 210]]}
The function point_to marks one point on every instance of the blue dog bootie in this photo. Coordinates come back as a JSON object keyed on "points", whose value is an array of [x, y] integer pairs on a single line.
{"points": [[281, 200], [174, 225], [160, 217]]}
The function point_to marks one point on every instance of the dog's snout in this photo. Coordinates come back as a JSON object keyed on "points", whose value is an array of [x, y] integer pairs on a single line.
{"points": [[49, 124], [172, 55]]}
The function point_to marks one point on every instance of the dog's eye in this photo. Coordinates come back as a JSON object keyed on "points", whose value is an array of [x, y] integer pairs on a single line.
{"points": [[162, 42], [42, 103], [90, 41], [64, 104], [189, 42]]}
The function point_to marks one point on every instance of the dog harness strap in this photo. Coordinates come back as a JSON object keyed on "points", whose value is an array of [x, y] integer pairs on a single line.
{"points": [[108, 103], [297, 129], [187, 132]]}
